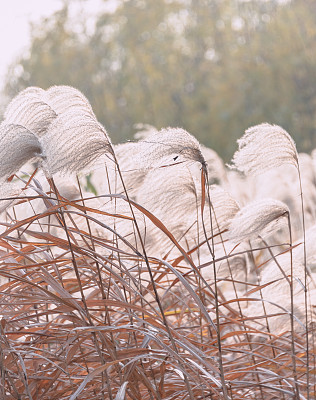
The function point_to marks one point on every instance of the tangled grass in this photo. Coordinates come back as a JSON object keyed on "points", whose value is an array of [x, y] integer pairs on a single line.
{"points": [[151, 288]]}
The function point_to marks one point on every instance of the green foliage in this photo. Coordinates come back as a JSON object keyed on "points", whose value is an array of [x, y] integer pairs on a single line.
{"points": [[213, 67]]}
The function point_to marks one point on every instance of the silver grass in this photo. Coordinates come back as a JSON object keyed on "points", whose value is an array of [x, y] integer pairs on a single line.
{"points": [[77, 221], [170, 145], [105, 178], [224, 208], [175, 188], [306, 167], [29, 110], [215, 166], [308, 180], [298, 252], [72, 142], [241, 187], [167, 147], [263, 147], [144, 130], [237, 262], [313, 156], [124, 227], [17, 146], [282, 184], [257, 218], [35, 108], [179, 207], [63, 99], [276, 289], [9, 192], [133, 176]]}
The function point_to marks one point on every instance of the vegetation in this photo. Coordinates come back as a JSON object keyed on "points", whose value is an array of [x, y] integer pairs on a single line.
{"points": [[162, 286], [213, 67]]}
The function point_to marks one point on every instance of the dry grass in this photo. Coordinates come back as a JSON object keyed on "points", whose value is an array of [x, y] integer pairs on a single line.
{"points": [[102, 298], [82, 321]]}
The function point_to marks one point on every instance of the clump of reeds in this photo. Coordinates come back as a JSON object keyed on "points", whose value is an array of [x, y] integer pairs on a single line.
{"points": [[159, 286]]}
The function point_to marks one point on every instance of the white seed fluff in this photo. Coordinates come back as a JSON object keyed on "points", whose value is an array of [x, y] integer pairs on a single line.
{"points": [[256, 218], [17, 146], [73, 142], [263, 147]]}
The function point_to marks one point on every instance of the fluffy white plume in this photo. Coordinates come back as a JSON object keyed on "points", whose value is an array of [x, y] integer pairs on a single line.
{"points": [[168, 146], [264, 147], [63, 99], [298, 252], [308, 180], [257, 218], [240, 186], [28, 109], [215, 166], [144, 130], [35, 108], [164, 148], [8, 191], [234, 267], [73, 141], [277, 291], [17, 146], [65, 124], [224, 206], [179, 207]]}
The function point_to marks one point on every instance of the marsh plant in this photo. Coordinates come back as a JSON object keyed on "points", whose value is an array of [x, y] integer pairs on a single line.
{"points": [[149, 269]]}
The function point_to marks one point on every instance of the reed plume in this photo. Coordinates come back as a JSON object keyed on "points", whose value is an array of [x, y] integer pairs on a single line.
{"points": [[215, 166], [276, 294], [30, 110], [224, 207], [73, 141], [63, 99], [259, 217], [9, 192], [169, 146], [144, 130], [264, 147], [17, 146]]}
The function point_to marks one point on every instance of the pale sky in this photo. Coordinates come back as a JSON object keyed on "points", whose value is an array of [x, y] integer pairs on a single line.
{"points": [[15, 28], [15, 18]]}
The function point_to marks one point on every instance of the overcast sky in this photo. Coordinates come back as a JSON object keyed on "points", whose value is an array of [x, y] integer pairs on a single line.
{"points": [[15, 18]]}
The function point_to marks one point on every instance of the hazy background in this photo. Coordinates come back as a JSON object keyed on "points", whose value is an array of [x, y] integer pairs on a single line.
{"points": [[213, 67]]}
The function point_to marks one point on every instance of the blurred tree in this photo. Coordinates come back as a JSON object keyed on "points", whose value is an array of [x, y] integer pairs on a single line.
{"points": [[214, 67]]}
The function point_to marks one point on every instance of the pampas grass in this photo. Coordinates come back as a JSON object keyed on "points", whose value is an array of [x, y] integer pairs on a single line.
{"points": [[160, 286], [264, 147], [72, 142], [170, 145], [260, 217], [30, 110], [17, 146]]}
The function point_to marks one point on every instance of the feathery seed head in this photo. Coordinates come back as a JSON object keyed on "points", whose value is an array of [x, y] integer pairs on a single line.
{"points": [[29, 110], [257, 218], [168, 146], [17, 146], [66, 98], [263, 147], [8, 190], [144, 130], [73, 141], [225, 207], [215, 166]]}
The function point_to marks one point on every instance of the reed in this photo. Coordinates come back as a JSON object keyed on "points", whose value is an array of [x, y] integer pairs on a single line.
{"points": [[158, 286]]}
